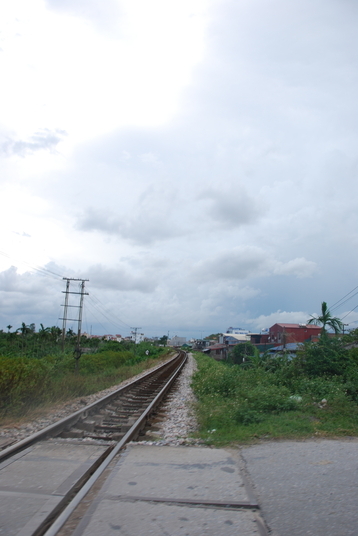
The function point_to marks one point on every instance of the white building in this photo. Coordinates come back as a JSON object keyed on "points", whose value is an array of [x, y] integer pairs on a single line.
{"points": [[177, 341], [137, 337]]}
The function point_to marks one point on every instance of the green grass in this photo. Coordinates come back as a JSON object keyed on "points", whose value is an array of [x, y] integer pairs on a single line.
{"points": [[237, 405], [29, 385]]}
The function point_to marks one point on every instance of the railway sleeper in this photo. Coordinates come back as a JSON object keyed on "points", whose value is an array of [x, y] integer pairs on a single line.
{"points": [[73, 433], [110, 429], [135, 407], [123, 415], [109, 437]]}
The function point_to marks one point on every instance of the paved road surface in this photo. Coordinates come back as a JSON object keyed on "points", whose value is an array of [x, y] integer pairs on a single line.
{"points": [[306, 488]]}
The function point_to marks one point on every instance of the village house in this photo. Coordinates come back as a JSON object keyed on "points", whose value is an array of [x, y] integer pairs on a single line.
{"points": [[290, 333]]}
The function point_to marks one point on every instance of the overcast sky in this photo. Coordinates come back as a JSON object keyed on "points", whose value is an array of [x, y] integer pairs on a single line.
{"points": [[196, 160]]}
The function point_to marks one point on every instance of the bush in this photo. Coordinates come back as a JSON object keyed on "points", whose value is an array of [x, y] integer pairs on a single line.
{"points": [[267, 398], [326, 357], [242, 352], [351, 381], [215, 378], [22, 379], [92, 363], [321, 387]]}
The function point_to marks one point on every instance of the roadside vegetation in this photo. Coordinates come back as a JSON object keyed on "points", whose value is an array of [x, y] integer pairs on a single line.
{"points": [[35, 371], [253, 396]]}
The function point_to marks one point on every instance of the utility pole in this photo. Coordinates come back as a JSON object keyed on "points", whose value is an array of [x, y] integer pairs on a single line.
{"points": [[66, 305]]}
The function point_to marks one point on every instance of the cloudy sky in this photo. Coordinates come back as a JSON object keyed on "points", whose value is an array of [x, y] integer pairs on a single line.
{"points": [[196, 160]]}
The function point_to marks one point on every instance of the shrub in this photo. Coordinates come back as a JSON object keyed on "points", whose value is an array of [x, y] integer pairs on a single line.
{"points": [[22, 379], [242, 352], [246, 415], [215, 378], [92, 363], [322, 358], [267, 398], [319, 387]]}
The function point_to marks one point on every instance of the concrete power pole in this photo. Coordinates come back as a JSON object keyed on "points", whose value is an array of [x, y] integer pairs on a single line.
{"points": [[66, 305], [65, 308]]}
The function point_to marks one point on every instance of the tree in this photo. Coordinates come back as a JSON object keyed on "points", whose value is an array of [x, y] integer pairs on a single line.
{"points": [[70, 334], [25, 330], [163, 340], [9, 327], [43, 332], [55, 333], [327, 357], [326, 319], [242, 352], [214, 336]]}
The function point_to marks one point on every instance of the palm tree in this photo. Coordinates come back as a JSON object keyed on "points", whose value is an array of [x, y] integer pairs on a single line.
{"points": [[25, 330], [55, 333], [326, 319]]}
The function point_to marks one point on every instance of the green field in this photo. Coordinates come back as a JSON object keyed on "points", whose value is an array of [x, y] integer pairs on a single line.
{"points": [[30, 382], [314, 394]]}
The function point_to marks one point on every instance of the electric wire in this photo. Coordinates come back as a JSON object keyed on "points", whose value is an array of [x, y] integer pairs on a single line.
{"points": [[338, 304], [345, 301], [96, 317], [103, 314], [102, 306], [349, 312], [42, 270], [99, 305]]}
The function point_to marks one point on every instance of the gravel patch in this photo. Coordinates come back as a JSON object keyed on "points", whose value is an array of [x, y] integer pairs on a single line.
{"points": [[179, 421]]}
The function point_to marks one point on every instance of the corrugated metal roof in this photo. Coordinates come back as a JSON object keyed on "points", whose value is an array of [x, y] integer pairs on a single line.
{"points": [[238, 336], [310, 326], [290, 346]]}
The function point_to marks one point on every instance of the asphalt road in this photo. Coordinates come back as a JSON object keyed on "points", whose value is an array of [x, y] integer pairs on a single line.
{"points": [[306, 487]]}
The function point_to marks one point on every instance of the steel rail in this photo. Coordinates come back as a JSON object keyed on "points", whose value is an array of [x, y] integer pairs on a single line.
{"points": [[132, 432], [56, 428]]}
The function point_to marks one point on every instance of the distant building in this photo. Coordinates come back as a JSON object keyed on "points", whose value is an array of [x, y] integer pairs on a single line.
{"points": [[176, 341], [289, 333], [237, 331], [218, 351], [110, 337], [136, 337], [234, 338]]}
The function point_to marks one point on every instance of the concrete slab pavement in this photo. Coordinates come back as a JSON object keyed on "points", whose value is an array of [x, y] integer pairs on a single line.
{"points": [[176, 491], [37, 480]]}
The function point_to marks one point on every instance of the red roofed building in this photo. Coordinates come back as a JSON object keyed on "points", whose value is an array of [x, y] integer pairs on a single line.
{"points": [[286, 333]]}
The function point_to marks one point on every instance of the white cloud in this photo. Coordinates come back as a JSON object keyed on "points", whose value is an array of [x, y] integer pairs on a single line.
{"points": [[146, 227], [208, 173], [287, 317], [299, 267], [120, 278], [42, 140], [231, 208], [250, 262]]}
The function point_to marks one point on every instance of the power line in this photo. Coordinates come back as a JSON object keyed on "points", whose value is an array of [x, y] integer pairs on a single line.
{"points": [[349, 312], [338, 304], [100, 304], [99, 322], [105, 315], [42, 270]]}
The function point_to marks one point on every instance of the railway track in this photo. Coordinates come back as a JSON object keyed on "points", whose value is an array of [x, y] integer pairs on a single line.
{"points": [[45, 476]]}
